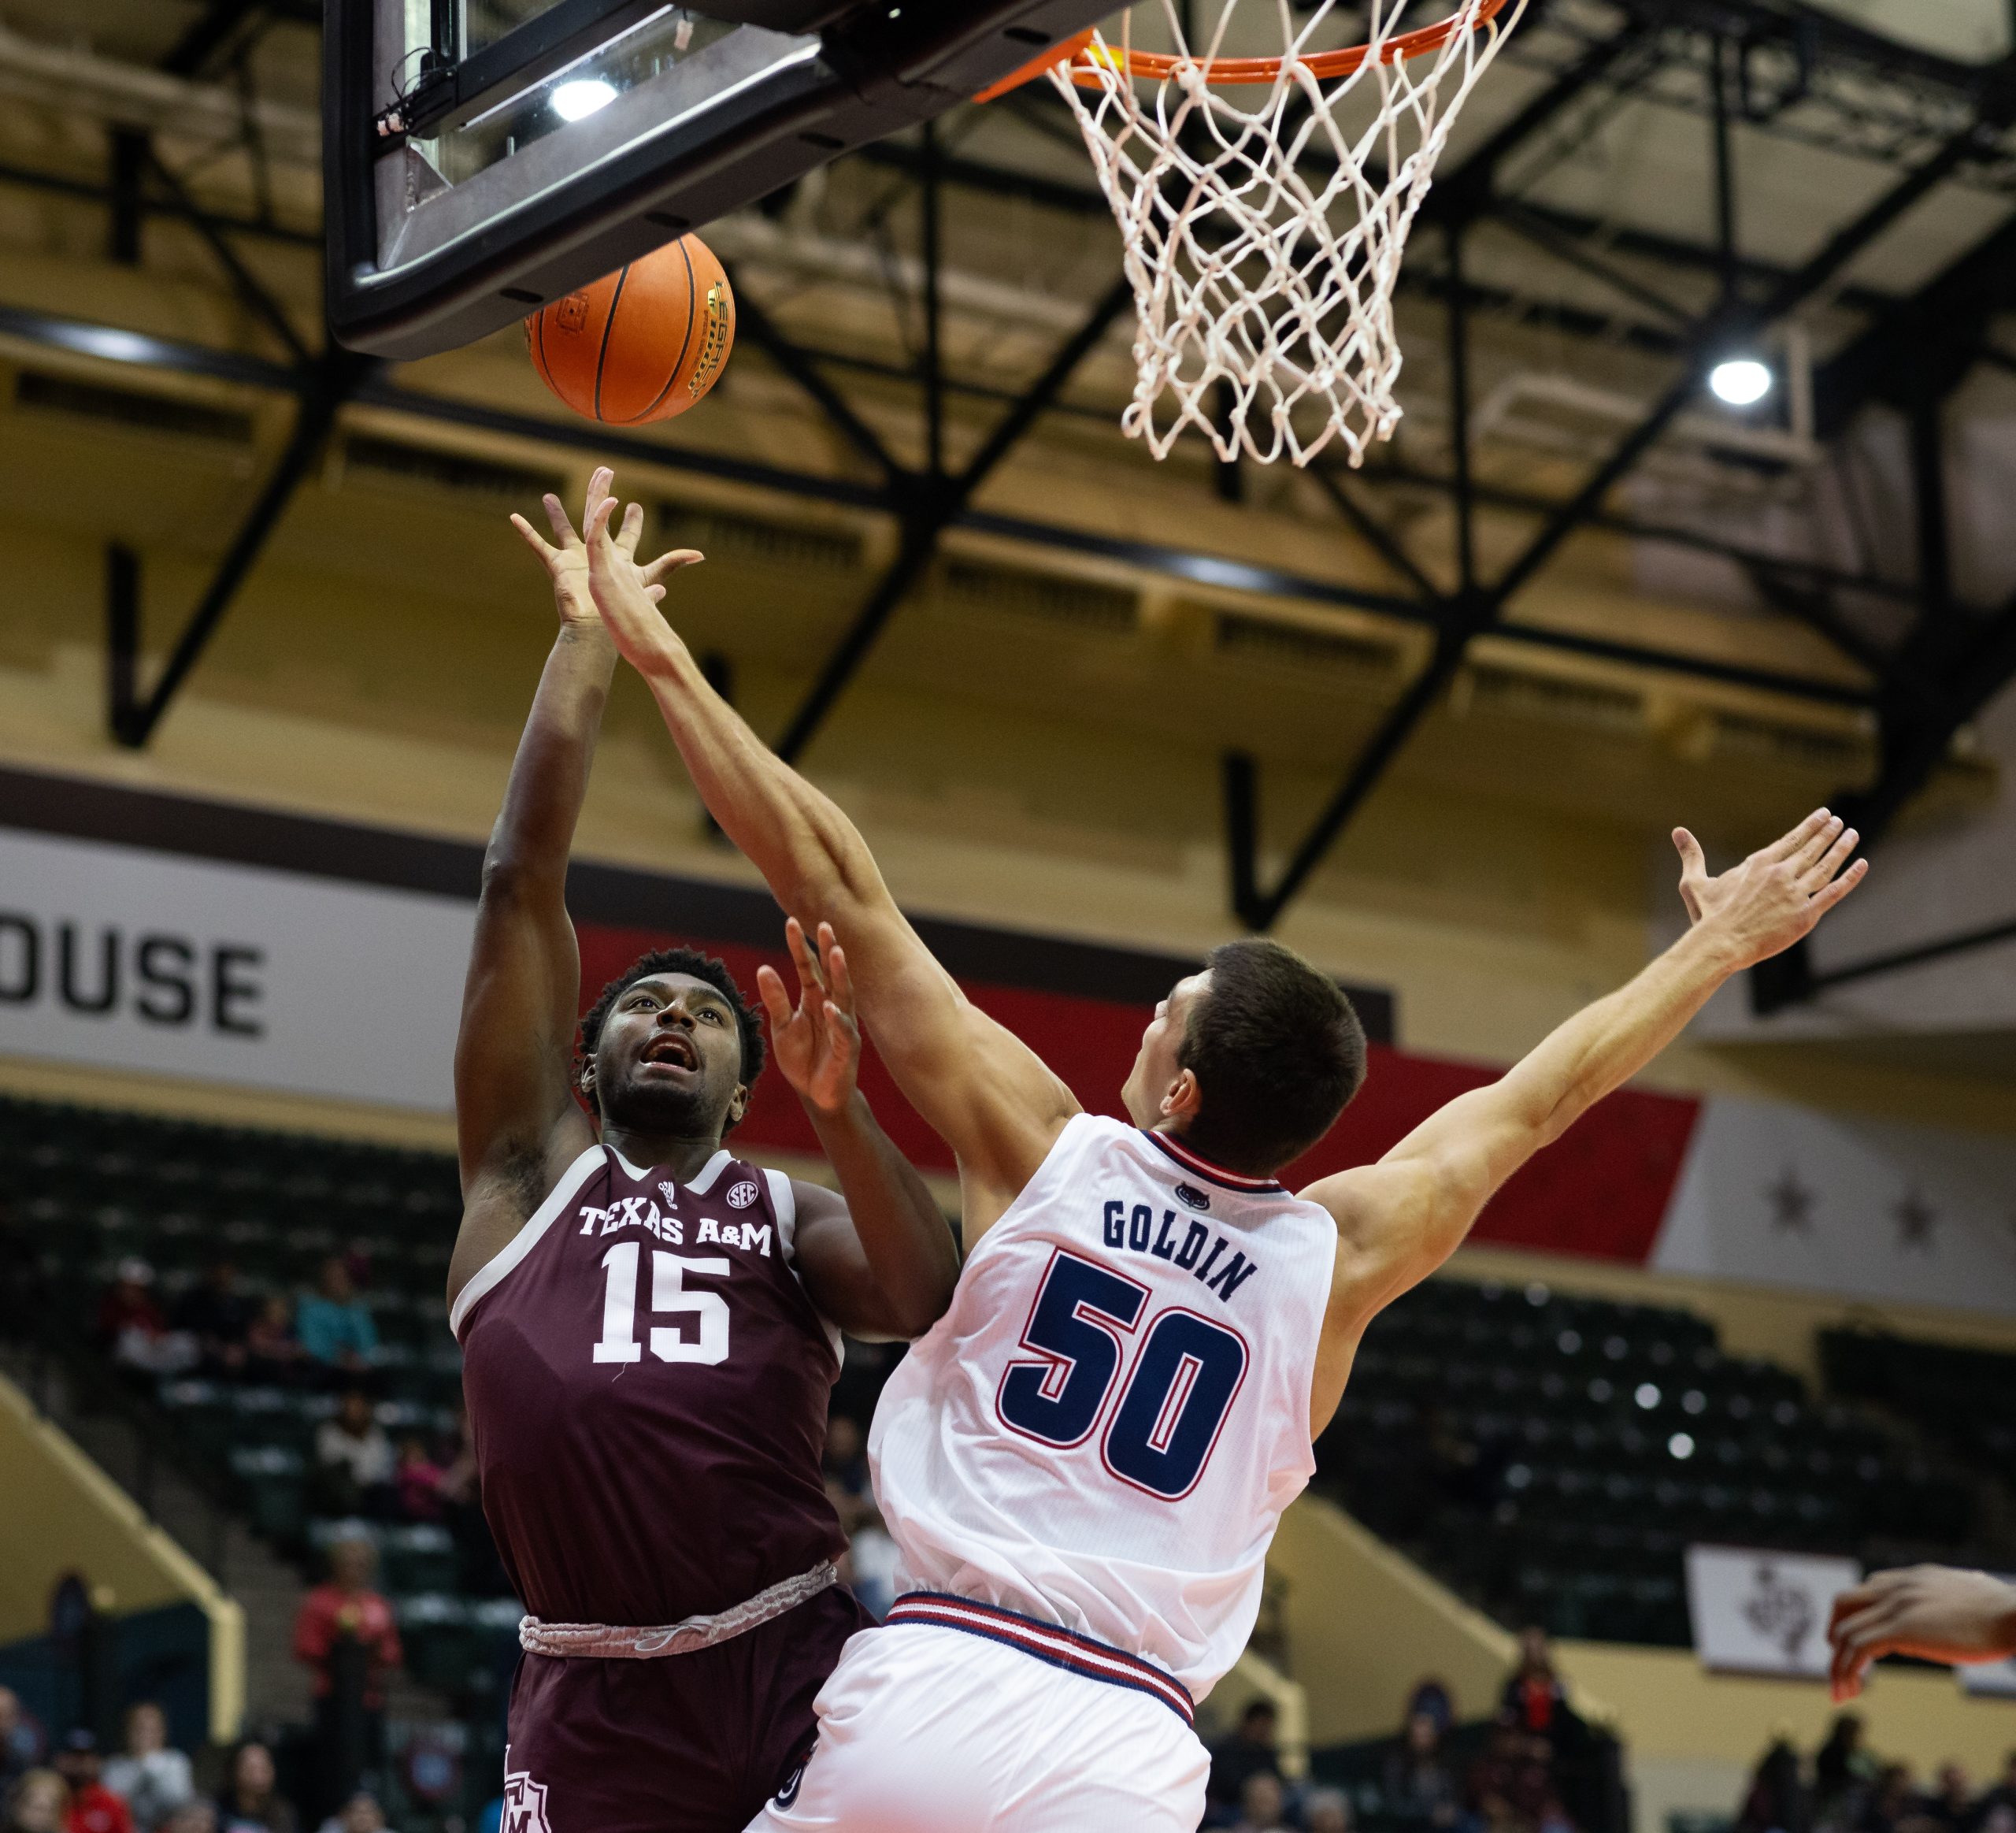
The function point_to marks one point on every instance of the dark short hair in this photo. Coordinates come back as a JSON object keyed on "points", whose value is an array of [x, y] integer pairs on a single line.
{"points": [[1276, 1051], [699, 966]]}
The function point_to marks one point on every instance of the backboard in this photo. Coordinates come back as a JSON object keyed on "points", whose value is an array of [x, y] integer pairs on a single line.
{"points": [[483, 157]]}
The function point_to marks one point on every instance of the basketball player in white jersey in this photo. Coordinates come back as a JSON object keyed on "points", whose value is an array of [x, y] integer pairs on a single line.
{"points": [[1083, 1463]]}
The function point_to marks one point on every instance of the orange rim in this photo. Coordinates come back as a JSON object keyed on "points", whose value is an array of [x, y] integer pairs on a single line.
{"points": [[1231, 71], [1035, 67]]}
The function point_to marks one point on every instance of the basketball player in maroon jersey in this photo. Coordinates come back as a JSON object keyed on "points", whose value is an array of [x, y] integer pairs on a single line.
{"points": [[650, 1326]]}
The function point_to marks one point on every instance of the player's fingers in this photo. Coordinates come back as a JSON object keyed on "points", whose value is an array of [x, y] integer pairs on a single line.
{"points": [[839, 979], [598, 528], [633, 526], [533, 539], [1822, 870], [1787, 844], [1824, 899], [809, 976], [1816, 844], [655, 594], [770, 989], [668, 564], [842, 1026], [556, 516]]}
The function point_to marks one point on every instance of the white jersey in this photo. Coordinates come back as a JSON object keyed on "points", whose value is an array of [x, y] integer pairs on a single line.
{"points": [[1103, 1430]]}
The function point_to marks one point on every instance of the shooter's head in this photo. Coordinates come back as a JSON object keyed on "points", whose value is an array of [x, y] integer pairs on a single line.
{"points": [[1251, 1060], [670, 1047]]}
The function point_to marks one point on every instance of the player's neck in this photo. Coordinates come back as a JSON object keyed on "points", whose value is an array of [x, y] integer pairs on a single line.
{"points": [[682, 1154]]}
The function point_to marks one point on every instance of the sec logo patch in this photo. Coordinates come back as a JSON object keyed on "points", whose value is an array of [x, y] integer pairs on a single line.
{"points": [[741, 1195]]}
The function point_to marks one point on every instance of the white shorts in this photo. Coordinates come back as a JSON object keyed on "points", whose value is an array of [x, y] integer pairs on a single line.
{"points": [[930, 1729]]}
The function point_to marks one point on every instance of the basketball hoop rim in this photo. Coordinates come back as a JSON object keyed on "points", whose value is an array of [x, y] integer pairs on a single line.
{"points": [[1087, 71]]}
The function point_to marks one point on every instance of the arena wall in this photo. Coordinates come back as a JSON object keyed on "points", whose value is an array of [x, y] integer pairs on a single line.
{"points": [[63, 1515]]}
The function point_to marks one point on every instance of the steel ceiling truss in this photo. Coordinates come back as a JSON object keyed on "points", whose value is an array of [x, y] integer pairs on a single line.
{"points": [[1780, 67]]}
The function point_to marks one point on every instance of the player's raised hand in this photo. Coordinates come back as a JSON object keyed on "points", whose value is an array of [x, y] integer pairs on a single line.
{"points": [[566, 557], [625, 594], [1936, 1613], [818, 1046], [1774, 897]]}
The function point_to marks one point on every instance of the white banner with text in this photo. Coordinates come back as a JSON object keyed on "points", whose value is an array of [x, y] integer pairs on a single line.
{"points": [[136, 959]]}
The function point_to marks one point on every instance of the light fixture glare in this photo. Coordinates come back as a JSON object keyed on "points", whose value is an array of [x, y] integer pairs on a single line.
{"points": [[577, 100], [1741, 382]]}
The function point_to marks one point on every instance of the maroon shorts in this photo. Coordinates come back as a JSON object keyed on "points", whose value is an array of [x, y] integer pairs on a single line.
{"points": [[682, 1744]]}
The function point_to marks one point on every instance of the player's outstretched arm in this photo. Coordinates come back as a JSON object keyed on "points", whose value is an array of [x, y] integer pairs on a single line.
{"points": [[515, 1119], [991, 1098], [878, 1258], [1401, 1219], [1938, 1613]]}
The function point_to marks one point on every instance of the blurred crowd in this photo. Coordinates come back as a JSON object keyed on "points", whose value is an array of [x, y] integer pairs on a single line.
{"points": [[1526, 1772], [323, 1336], [1846, 1788], [149, 1786]]}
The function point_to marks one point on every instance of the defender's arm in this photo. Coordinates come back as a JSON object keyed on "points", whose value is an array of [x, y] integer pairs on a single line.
{"points": [[878, 1258], [991, 1098], [517, 1122], [1401, 1219]]}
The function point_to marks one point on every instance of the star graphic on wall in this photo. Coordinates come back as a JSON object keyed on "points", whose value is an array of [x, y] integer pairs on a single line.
{"points": [[1791, 1203], [1916, 1219]]}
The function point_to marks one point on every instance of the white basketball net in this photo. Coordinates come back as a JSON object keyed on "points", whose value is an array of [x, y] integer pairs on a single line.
{"points": [[1263, 235]]}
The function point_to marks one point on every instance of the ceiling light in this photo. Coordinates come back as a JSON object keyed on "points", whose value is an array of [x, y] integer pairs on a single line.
{"points": [[1680, 1444], [1741, 382], [577, 100]]}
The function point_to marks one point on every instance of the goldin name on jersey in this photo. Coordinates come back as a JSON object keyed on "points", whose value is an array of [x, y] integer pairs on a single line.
{"points": [[1137, 1228]]}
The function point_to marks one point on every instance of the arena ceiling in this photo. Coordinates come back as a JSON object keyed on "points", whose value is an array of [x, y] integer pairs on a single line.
{"points": [[1641, 188]]}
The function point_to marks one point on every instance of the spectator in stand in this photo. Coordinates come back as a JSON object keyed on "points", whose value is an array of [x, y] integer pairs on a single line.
{"points": [[21, 1739], [215, 1316], [1249, 1752], [132, 1326], [1952, 1808], [1262, 1804], [251, 1802], [1534, 1694], [93, 1808], [2002, 1797], [1842, 1772], [153, 1780], [1891, 1807], [1326, 1810], [1778, 1801], [418, 1481], [1420, 1786], [1430, 1697], [38, 1802], [199, 1817], [272, 1353], [846, 1457], [359, 1814], [354, 1467], [333, 1323], [347, 1610]]}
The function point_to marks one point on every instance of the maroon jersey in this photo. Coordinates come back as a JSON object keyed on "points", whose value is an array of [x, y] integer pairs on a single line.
{"points": [[647, 1384]]}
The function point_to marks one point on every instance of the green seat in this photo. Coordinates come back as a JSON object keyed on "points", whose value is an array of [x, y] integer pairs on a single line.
{"points": [[271, 1478], [417, 1558], [441, 1649]]}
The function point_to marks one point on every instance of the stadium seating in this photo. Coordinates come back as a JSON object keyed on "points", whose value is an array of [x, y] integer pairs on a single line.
{"points": [[1548, 1456]]}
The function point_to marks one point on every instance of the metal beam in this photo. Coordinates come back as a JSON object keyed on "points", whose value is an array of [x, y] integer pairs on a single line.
{"points": [[1184, 566], [133, 719], [1917, 955], [933, 504]]}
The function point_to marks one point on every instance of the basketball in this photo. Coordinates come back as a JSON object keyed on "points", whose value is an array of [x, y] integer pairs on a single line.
{"points": [[642, 343]]}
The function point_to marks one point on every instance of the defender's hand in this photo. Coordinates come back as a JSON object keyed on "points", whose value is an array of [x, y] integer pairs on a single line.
{"points": [[1763, 906], [627, 594], [1932, 1612], [818, 1046], [566, 563]]}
